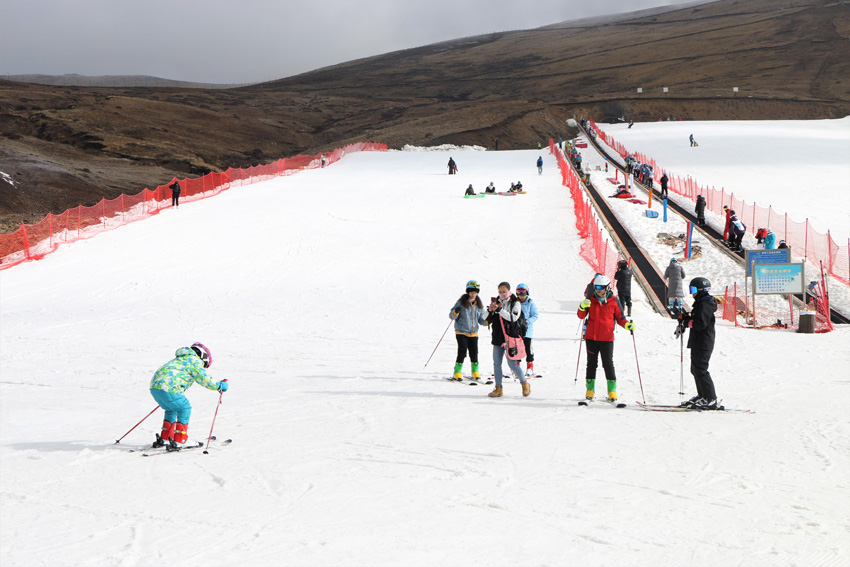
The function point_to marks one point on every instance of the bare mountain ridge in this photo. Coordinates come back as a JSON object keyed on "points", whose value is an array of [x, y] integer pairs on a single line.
{"points": [[790, 59]]}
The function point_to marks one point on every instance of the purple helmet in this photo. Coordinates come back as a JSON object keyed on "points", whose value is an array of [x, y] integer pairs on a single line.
{"points": [[203, 353]]}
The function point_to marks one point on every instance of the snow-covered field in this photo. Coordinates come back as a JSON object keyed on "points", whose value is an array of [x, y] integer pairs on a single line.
{"points": [[321, 296], [799, 167]]}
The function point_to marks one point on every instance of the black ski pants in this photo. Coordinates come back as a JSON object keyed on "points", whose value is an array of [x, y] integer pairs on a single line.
{"points": [[594, 349], [465, 344], [175, 199], [699, 368], [529, 352]]}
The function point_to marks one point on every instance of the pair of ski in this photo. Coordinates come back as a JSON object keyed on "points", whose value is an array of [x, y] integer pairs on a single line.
{"points": [[151, 452], [587, 401], [470, 381], [668, 408]]}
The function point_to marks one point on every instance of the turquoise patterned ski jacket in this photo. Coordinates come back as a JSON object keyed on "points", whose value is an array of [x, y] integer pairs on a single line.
{"points": [[177, 375]]}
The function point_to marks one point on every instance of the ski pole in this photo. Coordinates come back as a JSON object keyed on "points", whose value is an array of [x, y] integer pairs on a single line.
{"points": [[637, 363], [441, 340], [138, 424], [220, 394], [578, 362], [682, 366]]}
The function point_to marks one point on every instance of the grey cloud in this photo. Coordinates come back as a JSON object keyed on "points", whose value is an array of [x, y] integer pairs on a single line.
{"points": [[252, 40]]}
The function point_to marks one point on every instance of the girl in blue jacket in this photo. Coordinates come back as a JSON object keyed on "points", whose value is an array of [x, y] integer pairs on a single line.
{"points": [[529, 311], [468, 313]]}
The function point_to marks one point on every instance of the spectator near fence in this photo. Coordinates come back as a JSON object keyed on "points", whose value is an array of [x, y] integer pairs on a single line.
{"points": [[175, 194]]}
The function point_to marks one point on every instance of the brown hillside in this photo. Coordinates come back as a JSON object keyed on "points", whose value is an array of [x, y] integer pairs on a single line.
{"points": [[66, 146]]}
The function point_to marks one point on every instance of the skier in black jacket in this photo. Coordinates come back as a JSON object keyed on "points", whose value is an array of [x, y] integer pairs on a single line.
{"points": [[701, 342], [664, 181], [623, 277], [700, 210], [175, 194]]}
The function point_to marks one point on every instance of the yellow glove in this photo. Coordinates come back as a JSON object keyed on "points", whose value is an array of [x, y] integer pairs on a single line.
{"points": [[584, 304], [630, 326]]}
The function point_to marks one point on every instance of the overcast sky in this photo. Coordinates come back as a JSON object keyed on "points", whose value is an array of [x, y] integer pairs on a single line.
{"points": [[241, 41]]}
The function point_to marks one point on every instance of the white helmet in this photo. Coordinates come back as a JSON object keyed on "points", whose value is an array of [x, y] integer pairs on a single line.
{"points": [[601, 282]]}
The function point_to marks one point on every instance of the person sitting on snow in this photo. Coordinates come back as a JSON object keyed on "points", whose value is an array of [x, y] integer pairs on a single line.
{"points": [[469, 191], [490, 188]]}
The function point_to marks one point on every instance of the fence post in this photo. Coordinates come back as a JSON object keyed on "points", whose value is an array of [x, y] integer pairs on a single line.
{"points": [[103, 211], [79, 218], [122, 207], [806, 251], [26, 240], [50, 229]]}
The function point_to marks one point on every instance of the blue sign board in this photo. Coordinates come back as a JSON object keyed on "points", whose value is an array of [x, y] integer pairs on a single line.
{"points": [[760, 256], [778, 278]]}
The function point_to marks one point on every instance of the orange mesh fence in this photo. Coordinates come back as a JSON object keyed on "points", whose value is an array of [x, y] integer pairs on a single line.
{"points": [[596, 249], [804, 240], [34, 241]]}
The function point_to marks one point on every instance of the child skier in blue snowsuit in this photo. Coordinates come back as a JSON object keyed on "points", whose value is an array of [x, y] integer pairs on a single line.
{"points": [[168, 385], [529, 311]]}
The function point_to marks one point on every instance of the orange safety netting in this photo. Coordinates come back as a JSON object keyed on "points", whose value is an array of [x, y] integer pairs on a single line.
{"points": [[738, 307], [34, 241], [804, 241], [596, 249]]}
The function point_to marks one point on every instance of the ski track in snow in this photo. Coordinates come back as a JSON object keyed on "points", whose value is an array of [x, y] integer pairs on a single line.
{"points": [[346, 451]]}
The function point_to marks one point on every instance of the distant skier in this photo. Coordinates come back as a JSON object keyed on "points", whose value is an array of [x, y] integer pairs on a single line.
{"points": [[760, 235], [505, 313], [540, 165], [782, 245], [664, 181], [770, 240], [490, 188], [175, 194], [729, 212], [675, 275], [168, 385], [737, 229], [578, 161], [602, 311], [470, 191], [623, 278], [468, 313], [323, 160], [631, 123], [452, 166], [700, 210], [560, 143], [693, 142], [529, 311], [700, 321]]}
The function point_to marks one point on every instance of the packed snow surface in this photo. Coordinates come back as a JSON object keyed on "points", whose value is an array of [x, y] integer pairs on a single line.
{"points": [[321, 296], [799, 167]]}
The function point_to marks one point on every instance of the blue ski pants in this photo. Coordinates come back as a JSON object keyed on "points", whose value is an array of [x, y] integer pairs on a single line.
{"points": [[177, 407]]}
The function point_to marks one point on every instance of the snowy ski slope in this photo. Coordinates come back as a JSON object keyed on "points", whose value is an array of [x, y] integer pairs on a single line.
{"points": [[321, 296]]}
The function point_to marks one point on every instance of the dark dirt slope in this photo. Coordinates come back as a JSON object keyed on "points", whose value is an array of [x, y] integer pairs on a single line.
{"points": [[790, 59]]}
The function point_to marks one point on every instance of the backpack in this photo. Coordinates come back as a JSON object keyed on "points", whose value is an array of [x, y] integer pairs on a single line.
{"points": [[519, 327]]}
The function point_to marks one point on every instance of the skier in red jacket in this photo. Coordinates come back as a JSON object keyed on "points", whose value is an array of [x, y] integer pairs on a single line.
{"points": [[603, 311]]}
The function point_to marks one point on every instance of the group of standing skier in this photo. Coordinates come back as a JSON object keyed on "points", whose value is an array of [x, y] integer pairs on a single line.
{"points": [[511, 318]]}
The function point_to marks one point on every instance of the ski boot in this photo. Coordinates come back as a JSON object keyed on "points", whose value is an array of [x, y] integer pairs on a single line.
{"points": [[496, 393], [165, 435], [588, 395], [612, 397], [181, 433], [612, 391], [590, 384], [457, 375], [529, 369], [703, 404], [476, 375], [689, 403]]}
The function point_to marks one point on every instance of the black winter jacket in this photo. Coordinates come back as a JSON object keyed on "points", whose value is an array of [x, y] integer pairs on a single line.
{"points": [[702, 332], [623, 277]]}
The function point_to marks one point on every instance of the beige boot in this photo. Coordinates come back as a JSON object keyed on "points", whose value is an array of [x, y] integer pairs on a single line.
{"points": [[496, 393], [526, 389]]}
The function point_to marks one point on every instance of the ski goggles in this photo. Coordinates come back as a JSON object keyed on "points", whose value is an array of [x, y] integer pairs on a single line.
{"points": [[521, 291], [600, 287], [693, 289]]}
